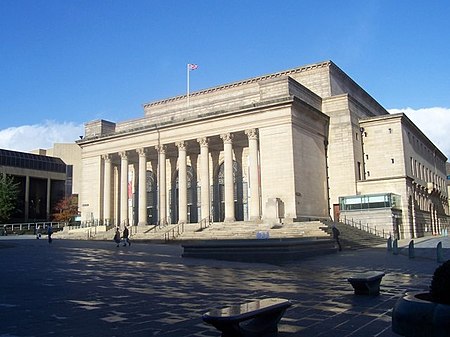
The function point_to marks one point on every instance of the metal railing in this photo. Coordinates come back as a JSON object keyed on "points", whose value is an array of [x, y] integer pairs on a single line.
{"points": [[174, 232], [205, 223], [366, 228], [28, 226]]}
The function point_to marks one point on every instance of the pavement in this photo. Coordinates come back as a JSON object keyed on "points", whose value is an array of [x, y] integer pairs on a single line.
{"points": [[93, 288]]}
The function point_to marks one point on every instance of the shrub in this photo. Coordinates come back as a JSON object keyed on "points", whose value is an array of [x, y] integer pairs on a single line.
{"points": [[440, 284]]}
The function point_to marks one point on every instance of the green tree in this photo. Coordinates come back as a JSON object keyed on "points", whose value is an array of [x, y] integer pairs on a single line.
{"points": [[66, 209], [9, 190]]}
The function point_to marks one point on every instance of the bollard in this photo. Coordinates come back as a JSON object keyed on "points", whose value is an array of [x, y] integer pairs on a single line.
{"points": [[439, 256], [395, 247], [411, 249], [389, 244]]}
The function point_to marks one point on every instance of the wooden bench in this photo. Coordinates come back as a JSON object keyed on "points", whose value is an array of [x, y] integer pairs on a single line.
{"points": [[257, 318], [367, 283]]}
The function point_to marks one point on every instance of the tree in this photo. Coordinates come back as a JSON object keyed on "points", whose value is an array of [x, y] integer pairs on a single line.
{"points": [[9, 191], [66, 209]]}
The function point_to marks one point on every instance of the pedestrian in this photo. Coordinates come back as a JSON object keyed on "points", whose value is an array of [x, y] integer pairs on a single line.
{"points": [[117, 237], [38, 232], [125, 237], [49, 233], [336, 234]]}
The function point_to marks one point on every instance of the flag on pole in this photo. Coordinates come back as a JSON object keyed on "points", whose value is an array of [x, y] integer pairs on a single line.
{"points": [[190, 66]]}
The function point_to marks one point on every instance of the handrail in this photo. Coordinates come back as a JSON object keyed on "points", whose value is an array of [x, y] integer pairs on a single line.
{"points": [[205, 222], [174, 232], [366, 228]]}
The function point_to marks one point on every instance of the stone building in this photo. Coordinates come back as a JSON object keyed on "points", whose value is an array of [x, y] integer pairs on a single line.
{"points": [[296, 145]]}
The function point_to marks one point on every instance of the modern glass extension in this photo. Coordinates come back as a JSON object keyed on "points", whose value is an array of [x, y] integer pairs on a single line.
{"points": [[370, 201]]}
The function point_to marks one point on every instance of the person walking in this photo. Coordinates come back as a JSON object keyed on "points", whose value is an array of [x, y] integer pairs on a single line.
{"points": [[117, 237], [49, 233], [125, 237], [336, 234]]}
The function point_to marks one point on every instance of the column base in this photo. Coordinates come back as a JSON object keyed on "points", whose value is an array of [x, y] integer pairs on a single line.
{"points": [[229, 219]]}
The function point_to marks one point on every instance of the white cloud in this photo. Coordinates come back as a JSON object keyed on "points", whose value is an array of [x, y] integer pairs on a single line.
{"points": [[39, 136], [433, 122]]}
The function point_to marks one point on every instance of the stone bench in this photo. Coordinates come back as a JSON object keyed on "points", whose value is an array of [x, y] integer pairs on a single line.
{"points": [[367, 283], [257, 318]]}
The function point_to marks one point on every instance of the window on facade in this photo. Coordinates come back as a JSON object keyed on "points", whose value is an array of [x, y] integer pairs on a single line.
{"points": [[359, 170]]}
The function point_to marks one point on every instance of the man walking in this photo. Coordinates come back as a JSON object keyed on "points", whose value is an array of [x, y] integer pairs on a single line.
{"points": [[336, 234], [125, 237]]}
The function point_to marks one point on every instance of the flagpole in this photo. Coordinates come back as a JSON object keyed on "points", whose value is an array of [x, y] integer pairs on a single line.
{"points": [[187, 70]]}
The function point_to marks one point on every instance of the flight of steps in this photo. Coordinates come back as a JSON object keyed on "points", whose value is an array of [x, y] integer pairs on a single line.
{"points": [[354, 238], [216, 231], [351, 237], [251, 230]]}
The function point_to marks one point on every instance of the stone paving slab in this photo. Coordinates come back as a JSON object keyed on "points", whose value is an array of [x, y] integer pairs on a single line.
{"points": [[87, 288]]}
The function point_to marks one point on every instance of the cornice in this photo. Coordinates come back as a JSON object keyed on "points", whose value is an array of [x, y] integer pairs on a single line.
{"points": [[243, 82]]}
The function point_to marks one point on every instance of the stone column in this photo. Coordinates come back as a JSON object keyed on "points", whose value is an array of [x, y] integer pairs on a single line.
{"points": [[49, 189], [162, 183], [205, 202], [182, 183], [255, 209], [123, 189], [142, 187], [228, 176], [107, 190], [27, 197]]}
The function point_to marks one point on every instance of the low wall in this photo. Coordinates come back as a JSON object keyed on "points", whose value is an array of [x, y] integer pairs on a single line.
{"points": [[273, 251]]}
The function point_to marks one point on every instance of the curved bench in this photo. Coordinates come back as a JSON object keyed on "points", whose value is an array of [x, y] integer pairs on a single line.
{"points": [[257, 318], [367, 283]]}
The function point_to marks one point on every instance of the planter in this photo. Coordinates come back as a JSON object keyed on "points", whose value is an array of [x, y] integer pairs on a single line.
{"points": [[416, 315]]}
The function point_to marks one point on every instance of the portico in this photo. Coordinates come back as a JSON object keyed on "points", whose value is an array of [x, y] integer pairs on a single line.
{"points": [[223, 163]]}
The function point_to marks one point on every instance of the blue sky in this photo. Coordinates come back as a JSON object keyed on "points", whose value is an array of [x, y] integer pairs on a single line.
{"points": [[63, 63]]}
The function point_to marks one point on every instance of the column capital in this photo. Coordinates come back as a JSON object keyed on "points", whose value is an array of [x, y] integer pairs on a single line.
{"points": [[160, 148], [227, 138], [181, 145], [204, 141], [123, 155], [106, 157], [141, 152], [252, 133]]}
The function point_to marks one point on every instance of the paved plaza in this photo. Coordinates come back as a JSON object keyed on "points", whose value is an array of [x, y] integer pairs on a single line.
{"points": [[91, 288]]}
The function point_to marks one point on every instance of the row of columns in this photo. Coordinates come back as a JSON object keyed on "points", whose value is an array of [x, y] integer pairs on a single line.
{"points": [[205, 200]]}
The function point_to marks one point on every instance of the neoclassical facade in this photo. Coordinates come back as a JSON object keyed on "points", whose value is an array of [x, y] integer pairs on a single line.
{"points": [[283, 147]]}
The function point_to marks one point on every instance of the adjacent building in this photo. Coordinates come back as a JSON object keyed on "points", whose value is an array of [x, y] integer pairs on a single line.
{"points": [[41, 181], [305, 143]]}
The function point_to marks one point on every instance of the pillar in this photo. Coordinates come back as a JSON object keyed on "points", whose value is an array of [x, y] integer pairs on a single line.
{"points": [[255, 208], [228, 176], [162, 184], [204, 179], [49, 190], [27, 197], [123, 189], [142, 187], [107, 190], [182, 183]]}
